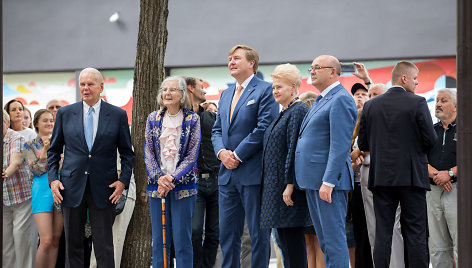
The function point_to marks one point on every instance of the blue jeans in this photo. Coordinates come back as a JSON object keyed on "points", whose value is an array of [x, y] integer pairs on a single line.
{"points": [[178, 229], [206, 212]]}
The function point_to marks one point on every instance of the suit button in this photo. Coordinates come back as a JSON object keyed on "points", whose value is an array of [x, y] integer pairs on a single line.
{"points": [[90, 156], [86, 173]]}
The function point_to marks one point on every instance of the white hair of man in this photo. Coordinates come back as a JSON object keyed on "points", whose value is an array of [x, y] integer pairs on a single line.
{"points": [[97, 73], [452, 92], [383, 87]]}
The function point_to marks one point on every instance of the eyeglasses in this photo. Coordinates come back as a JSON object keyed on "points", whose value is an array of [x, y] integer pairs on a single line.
{"points": [[170, 90], [56, 107], [316, 68]]}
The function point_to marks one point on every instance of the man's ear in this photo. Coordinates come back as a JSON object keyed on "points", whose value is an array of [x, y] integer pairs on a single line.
{"points": [[252, 64], [190, 88], [403, 79]]}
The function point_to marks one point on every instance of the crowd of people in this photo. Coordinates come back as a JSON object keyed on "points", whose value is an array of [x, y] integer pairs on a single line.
{"points": [[361, 180]]}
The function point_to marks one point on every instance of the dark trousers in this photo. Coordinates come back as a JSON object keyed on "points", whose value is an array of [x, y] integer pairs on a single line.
{"points": [[292, 243], [74, 226], [206, 212], [61, 254], [413, 220], [361, 236]]}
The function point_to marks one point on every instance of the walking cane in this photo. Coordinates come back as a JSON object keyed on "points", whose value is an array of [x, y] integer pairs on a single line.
{"points": [[164, 248]]}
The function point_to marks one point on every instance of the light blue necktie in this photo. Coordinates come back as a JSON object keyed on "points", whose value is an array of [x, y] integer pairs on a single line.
{"points": [[88, 129], [318, 99]]}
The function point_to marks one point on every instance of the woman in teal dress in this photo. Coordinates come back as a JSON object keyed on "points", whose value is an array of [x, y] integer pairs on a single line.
{"points": [[47, 215]]}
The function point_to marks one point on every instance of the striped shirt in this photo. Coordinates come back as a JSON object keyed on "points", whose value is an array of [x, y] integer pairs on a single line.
{"points": [[16, 188]]}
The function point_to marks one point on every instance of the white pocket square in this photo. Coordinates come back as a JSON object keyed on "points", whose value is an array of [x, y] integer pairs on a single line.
{"points": [[250, 102]]}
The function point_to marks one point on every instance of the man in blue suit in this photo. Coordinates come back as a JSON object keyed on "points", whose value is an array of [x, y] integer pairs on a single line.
{"points": [[246, 110], [322, 161], [89, 133]]}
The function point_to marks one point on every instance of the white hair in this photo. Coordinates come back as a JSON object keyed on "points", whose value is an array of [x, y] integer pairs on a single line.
{"points": [[97, 73], [182, 87], [452, 92], [383, 87]]}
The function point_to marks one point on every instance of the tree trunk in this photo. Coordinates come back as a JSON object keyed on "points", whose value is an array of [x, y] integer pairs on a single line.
{"points": [[148, 74]]}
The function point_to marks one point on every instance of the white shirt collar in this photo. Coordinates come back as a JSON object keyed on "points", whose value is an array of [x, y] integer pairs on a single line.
{"points": [[399, 86], [245, 83], [96, 106], [328, 89]]}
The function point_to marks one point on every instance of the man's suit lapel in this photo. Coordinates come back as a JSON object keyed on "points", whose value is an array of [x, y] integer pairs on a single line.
{"points": [[318, 106], [79, 113], [231, 91], [242, 100], [103, 120]]}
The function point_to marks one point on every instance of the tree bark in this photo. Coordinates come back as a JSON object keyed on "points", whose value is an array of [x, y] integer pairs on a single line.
{"points": [[464, 131], [148, 74]]}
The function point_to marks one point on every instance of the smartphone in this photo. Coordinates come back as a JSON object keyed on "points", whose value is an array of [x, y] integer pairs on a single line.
{"points": [[348, 68]]}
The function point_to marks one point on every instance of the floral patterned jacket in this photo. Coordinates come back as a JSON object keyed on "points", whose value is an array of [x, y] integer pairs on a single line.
{"points": [[186, 173], [32, 152]]}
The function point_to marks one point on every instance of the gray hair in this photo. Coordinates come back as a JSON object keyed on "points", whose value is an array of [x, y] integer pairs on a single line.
{"points": [[97, 73], [6, 118], [383, 87], [452, 92], [182, 87]]}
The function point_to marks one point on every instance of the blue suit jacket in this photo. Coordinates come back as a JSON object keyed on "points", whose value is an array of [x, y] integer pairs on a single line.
{"points": [[323, 147], [253, 113], [100, 163]]}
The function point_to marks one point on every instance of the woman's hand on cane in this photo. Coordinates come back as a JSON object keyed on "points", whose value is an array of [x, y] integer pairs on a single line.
{"points": [[165, 185]]}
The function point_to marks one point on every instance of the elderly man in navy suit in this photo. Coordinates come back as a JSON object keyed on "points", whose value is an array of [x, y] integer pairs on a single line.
{"points": [[322, 161], [246, 110], [89, 133]]}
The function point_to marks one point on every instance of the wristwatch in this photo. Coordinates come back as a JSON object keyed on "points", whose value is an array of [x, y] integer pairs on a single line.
{"points": [[368, 82], [451, 174]]}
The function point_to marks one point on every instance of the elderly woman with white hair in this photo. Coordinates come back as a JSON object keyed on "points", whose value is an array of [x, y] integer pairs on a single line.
{"points": [[283, 206], [172, 140]]}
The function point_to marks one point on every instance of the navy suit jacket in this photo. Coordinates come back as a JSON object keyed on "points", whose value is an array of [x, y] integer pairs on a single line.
{"points": [[253, 113], [323, 147], [99, 164], [397, 129]]}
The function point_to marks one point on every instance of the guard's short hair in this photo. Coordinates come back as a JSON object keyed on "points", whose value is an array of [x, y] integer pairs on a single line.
{"points": [[402, 68]]}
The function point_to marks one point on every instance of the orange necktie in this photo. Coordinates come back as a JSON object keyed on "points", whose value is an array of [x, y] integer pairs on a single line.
{"points": [[235, 100]]}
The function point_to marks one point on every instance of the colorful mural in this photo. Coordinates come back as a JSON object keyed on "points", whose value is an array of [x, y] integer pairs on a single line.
{"points": [[36, 89], [435, 73]]}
